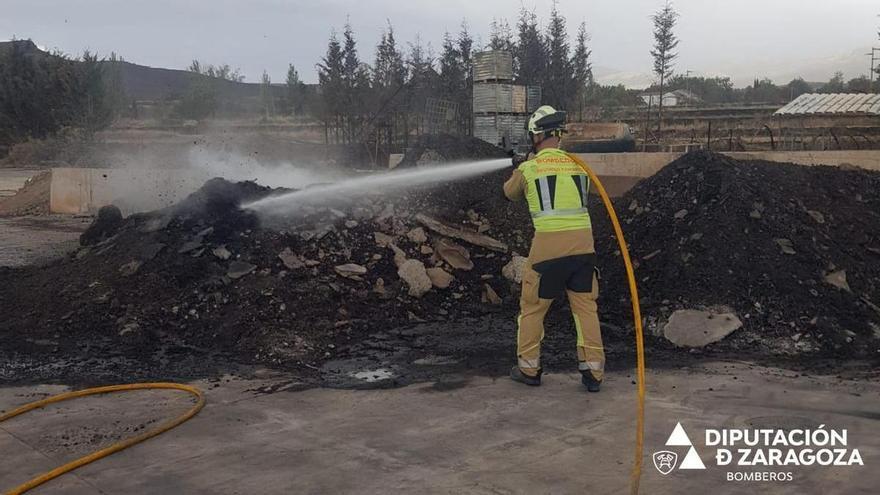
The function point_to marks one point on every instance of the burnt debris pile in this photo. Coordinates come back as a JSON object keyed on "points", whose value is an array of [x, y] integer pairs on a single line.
{"points": [[210, 274], [793, 250]]}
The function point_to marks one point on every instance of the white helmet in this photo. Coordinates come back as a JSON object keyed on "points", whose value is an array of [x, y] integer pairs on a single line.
{"points": [[546, 120]]}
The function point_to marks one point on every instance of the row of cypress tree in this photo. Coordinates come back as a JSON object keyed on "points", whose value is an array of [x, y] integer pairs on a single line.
{"points": [[385, 100]]}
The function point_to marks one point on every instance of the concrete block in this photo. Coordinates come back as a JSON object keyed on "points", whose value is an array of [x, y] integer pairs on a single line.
{"points": [[84, 190], [692, 328]]}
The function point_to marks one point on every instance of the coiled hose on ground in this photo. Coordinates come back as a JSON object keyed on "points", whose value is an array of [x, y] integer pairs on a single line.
{"points": [[116, 447]]}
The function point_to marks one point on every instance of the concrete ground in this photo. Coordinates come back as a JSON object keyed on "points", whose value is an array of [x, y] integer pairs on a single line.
{"points": [[37, 239], [478, 435]]}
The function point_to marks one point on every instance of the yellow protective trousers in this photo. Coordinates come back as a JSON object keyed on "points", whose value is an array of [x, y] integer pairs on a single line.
{"points": [[541, 283]]}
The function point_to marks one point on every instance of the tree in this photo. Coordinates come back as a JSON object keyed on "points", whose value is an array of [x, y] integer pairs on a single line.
{"points": [[500, 35], [708, 89], [389, 70], [454, 82], [607, 98], [764, 91], [113, 84], [97, 109], [389, 77], [530, 50], [267, 103], [45, 94], [877, 68], [39, 93], [295, 92], [559, 83], [835, 85], [350, 66], [224, 72], [465, 51], [420, 85], [200, 99], [859, 84], [797, 87], [583, 69], [330, 79], [664, 52], [345, 84], [419, 61], [451, 71], [356, 84], [195, 67]]}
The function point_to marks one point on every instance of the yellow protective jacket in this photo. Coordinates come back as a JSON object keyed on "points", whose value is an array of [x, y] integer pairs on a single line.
{"points": [[556, 189]]}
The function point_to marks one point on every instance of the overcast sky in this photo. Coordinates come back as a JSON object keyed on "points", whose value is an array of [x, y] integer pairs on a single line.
{"points": [[744, 38]]}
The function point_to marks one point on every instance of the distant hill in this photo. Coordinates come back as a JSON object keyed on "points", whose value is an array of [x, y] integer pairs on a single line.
{"points": [[632, 80], [151, 83], [818, 70]]}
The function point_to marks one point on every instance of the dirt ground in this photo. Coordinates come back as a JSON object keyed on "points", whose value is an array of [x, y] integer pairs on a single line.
{"points": [[31, 199], [475, 435]]}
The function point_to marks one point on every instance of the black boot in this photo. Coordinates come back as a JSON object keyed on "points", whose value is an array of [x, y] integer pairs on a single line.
{"points": [[590, 381], [517, 375]]}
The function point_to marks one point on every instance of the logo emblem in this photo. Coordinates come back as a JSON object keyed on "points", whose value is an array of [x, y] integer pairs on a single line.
{"points": [[665, 461]]}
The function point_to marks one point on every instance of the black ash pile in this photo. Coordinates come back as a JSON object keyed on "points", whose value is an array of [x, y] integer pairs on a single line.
{"points": [[793, 251], [208, 274]]}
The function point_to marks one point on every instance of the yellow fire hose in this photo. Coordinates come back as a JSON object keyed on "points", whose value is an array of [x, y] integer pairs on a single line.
{"points": [[637, 321], [116, 447]]}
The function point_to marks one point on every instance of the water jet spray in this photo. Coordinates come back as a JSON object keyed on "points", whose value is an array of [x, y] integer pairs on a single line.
{"points": [[380, 182]]}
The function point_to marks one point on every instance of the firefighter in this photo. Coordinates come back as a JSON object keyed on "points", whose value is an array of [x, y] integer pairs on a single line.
{"points": [[562, 257]]}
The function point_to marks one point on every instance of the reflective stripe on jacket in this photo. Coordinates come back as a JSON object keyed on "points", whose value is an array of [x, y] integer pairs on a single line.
{"points": [[556, 190]]}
